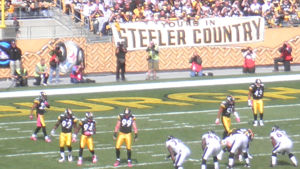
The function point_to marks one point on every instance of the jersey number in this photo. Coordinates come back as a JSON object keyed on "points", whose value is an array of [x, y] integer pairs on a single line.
{"points": [[126, 123], [67, 123], [88, 127]]}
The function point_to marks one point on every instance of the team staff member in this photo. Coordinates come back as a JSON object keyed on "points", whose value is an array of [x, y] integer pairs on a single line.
{"points": [[67, 121], [125, 123], [88, 129], [40, 104], [256, 91], [120, 53], [227, 107], [15, 54]]}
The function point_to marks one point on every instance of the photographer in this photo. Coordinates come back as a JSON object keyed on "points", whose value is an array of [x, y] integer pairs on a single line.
{"points": [[120, 54], [196, 67], [20, 76], [249, 60], [285, 57], [77, 75], [153, 60], [56, 55]]}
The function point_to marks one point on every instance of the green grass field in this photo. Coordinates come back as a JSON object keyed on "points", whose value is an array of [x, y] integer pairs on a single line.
{"points": [[185, 113]]}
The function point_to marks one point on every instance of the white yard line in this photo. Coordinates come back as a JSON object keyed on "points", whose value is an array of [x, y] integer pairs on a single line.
{"points": [[149, 86]]}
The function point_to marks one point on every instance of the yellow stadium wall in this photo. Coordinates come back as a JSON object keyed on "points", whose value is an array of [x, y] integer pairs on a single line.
{"points": [[100, 57]]}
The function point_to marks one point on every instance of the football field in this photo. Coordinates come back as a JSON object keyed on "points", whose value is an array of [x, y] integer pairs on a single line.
{"points": [[185, 112]]}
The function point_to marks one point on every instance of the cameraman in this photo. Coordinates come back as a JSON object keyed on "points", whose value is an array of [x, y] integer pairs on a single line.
{"points": [[56, 55], [76, 75], [120, 54], [153, 60], [249, 60], [285, 55]]}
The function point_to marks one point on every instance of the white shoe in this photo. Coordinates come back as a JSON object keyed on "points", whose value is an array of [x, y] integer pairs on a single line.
{"points": [[47, 139], [241, 158], [62, 159], [70, 157], [261, 123], [255, 123], [250, 156], [219, 156]]}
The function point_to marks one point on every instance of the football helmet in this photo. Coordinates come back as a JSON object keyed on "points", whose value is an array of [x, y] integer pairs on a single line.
{"points": [[43, 96], [274, 128], [68, 112], [258, 82], [211, 132], [127, 111], [89, 116], [230, 99], [170, 137], [250, 134]]}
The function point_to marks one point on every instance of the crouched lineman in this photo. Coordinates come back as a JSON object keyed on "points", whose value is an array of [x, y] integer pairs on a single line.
{"points": [[281, 144], [179, 152], [40, 104], [125, 123], [88, 129], [238, 141], [211, 145], [67, 121]]}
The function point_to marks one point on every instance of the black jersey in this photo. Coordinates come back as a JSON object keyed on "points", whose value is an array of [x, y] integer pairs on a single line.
{"points": [[67, 122], [126, 123], [227, 108], [257, 92]]}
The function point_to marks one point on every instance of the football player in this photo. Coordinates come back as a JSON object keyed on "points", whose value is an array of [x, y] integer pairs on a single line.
{"points": [[227, 108], [281, 144], [40, 104], [256, 91], [88, 129], [67, 121], [211, 145], [238, 141], [179, 152], [125, 123]]}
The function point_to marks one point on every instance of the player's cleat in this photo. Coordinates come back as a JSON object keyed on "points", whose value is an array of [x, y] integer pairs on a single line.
{"points": [[261, 123], [255, 123], [70, 157], [241, 158], [247, 166], [33, 138], [220, 155], [47, 139], [117, 163], [62, 159], [94, 159], [250, 156], [129, 164], [79, 162]]}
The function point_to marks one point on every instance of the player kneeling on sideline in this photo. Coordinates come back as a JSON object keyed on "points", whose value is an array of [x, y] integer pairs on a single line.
{"points": [[125, 123], [179, 152], [238, 141], [281, 144], [88, 129], [67, 121], [211, 145]]}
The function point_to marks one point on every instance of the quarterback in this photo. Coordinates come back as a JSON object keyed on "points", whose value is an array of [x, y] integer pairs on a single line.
{"points": [[227, 108], [281, 144], [256, 91], [88, 129], [40, 104], [125, 123], [67, 122]]}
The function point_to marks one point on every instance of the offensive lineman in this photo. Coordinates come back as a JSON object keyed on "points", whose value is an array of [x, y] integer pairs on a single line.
{"points": [[88, 129], [256, 91], [227, 107], [211, 145], [125, 123], [67, 121], [179, 152], [238, 141], [281, 144], [40, 104]]}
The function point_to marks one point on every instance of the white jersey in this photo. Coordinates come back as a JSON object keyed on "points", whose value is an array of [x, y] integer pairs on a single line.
{"points": [[279, 136], [213, 145], [282, 142], [176, 145], [237, 141]]}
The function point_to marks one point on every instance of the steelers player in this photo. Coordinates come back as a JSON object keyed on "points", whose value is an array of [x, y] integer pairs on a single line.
{"points": [[67, 121], [125, 123], [40, 104], [88, 129], [227, 107], [256, 91]]}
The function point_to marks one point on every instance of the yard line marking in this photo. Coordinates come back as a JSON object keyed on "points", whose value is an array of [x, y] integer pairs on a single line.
{"points": [[149, 86], [155, 114], [137, 164], [203, 126], [8, 129]]}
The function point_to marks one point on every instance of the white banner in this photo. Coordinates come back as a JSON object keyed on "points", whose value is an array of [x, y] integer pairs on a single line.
{"points": [[205, 32]]}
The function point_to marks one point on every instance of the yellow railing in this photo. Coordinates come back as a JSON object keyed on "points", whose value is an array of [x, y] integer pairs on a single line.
{"points": [[2, 25]]}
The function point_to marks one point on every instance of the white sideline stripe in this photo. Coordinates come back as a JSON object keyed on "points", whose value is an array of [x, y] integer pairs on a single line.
{"points": [[134, 165], [204, 126], [155, 114], [148, 86]]}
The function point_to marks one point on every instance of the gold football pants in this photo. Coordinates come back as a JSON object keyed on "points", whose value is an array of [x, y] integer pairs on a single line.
{"points": [[124, 137], [65, 139], [87, 140], [258, 106]]}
